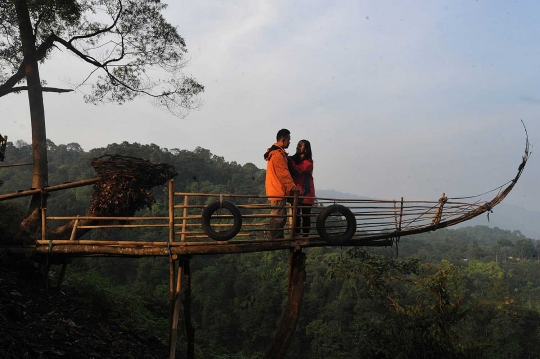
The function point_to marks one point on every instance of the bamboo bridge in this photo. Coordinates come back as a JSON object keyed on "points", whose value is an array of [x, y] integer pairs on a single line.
{"points": [[192, 230]]}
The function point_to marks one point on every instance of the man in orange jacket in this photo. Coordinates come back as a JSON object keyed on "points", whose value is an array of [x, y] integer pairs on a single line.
{"points": [[279, 182]]}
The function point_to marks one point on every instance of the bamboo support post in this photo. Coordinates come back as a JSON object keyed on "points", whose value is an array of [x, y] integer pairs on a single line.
{"points": [[294, 214], [172, 265], [396, 215], [74, 230], [171, 211], [190, 330], [184, 220], [175, 311], [400, 215], [171, 282], [44, 268], [291, 314], [62, 275], [43, 223]]}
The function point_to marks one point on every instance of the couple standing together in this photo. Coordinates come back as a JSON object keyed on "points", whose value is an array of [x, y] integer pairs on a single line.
{"points": [[287, 176]]}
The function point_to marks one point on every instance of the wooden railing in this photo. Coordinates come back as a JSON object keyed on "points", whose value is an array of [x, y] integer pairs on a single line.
{"points": [[369, 222]]}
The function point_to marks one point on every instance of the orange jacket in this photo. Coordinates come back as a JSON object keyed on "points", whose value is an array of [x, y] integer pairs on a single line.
{"points": [[279, 182]]}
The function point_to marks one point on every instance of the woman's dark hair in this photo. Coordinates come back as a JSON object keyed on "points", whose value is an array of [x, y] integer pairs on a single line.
{"points": [[308, 156]]}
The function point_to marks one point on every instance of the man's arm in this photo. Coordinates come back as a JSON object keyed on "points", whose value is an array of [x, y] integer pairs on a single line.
{"points": [[283, 174]]}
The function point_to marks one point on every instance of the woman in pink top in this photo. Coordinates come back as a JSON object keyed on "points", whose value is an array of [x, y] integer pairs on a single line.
{"points": [[301, 168]]}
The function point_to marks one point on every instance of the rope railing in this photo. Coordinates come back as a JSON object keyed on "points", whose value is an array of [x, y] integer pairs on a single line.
{"points": [[374, 218]]}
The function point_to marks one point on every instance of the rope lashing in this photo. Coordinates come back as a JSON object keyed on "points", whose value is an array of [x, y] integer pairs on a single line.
{"points": [[489, 210], [438, 216], [395, 240]]}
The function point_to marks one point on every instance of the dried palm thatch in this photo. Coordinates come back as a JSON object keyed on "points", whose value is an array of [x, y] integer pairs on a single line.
{"points": [[126, 183]]}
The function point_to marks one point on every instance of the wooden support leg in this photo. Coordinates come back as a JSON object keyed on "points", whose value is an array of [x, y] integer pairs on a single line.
{"points": [[175, 304], [297, 278], [62, 274], [190, 330], [45, 267]]}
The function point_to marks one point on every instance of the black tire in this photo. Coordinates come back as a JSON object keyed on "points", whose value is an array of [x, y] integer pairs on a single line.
{"points": [[207, 215], [351, 224]]}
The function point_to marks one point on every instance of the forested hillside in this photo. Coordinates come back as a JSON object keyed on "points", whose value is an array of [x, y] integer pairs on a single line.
{"points": [[468, 293]]}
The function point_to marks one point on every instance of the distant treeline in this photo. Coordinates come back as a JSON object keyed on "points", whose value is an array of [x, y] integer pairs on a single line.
{"points": [[468, 293], [198, 171]]}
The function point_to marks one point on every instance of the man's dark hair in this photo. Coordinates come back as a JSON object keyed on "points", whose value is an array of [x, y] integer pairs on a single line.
{"points": [[282, 134]]}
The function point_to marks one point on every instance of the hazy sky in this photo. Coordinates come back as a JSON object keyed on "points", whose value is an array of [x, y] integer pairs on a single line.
{"points": [[398, 98]]}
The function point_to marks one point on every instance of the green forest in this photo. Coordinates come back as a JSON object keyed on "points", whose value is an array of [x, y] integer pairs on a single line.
{"points": [[472, 292]]}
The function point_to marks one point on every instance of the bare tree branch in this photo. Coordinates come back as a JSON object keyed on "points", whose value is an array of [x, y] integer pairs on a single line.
{"points": [[41, 52], [44, 89], [101, 31]]}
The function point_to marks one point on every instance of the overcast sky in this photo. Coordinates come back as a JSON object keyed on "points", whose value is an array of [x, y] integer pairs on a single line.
{"points": [[398, 98]]}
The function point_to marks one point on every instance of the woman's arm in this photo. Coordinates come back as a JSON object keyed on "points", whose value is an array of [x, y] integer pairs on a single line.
{"points": [[301, 168]]}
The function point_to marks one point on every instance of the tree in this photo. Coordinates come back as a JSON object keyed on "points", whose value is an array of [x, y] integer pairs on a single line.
{"points": [[130, 47]]}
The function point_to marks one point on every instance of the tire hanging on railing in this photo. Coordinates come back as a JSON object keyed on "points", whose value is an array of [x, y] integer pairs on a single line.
{"points": [[329, 237], [221, 235]]}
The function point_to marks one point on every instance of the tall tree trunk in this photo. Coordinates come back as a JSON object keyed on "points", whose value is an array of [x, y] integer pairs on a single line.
{"points": [[37, 112], [297, 278]]}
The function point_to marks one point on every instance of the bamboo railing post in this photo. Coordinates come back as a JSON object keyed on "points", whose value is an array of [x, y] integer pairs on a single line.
{"points": [[400, 215], [64, 265], [171, 210], [74, 230], [43, 223], [293, 217], [184, 219], [396, 215], [45, 267]]}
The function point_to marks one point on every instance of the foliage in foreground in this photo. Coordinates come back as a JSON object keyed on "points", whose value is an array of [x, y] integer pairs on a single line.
{"points": [[358, 304]]}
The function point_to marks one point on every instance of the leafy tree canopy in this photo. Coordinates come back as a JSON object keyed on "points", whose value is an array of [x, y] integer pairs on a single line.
{"points": [[132, 48]]}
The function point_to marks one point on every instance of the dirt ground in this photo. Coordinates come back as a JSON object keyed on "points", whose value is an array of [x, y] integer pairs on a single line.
{"points": [[40, 323]]}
